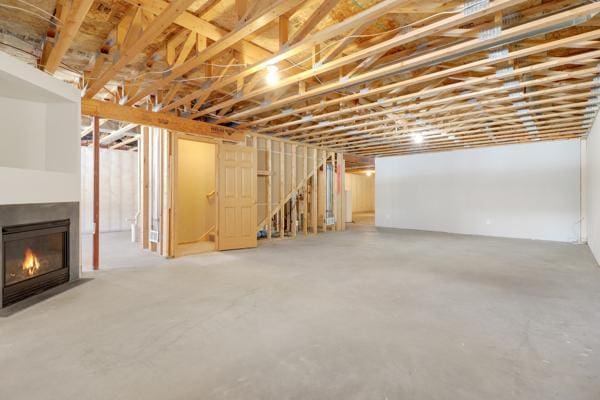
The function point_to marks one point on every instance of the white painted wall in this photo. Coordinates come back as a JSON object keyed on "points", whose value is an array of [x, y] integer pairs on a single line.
{"points": [[521, 191], [23, 134], [39, 141], [593, 189], [118, 189]]}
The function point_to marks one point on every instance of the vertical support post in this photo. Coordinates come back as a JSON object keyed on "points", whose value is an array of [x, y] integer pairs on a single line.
{"points": [[281, 190], [152, 184], [166, 162], [305, 197], [314, 208], [335, 190], [294, 198], [269, 189], [583, 234], [96, 200], [342, 192], [144, 187], [323, 189]]}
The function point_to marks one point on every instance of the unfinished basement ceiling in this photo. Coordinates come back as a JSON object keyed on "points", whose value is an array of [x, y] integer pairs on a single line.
{"points": [[371, 78]]}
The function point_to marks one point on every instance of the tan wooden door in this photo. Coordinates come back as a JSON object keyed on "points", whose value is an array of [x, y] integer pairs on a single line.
{"points": [[237, 197]]}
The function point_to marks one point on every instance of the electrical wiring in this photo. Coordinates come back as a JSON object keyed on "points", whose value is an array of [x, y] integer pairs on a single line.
{"points": [[399, 28], [319, 52], [299, 64], [50, 21], [202, 64], [40, 9]]}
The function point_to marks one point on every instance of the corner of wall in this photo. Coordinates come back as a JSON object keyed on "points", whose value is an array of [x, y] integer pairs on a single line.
{"points": [[592, 191]]}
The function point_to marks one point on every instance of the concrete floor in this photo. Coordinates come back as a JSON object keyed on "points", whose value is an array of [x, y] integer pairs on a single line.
{"points": [[118, 251], [363, 314]]}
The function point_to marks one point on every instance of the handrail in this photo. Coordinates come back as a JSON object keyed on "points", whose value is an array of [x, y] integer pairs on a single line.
{"points": [[211, 230]]}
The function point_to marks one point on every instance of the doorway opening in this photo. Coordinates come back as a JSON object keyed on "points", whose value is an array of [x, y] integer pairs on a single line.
{"points": [[194, 196], [360, 197]]}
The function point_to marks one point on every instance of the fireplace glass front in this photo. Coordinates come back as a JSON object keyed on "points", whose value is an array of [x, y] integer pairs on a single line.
{"points": [[35, 258]]}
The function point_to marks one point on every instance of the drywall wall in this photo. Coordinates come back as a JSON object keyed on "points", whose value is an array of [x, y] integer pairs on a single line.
{"points": [[39, 145], [23, 137], [118, 189], [592, 200], [196, 214], [521, 191], [362, 188]]}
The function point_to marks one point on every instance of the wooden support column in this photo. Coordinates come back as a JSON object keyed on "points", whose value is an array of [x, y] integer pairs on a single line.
{"points": [[166, 159], [294, 197], [335, 191], [341, 221], [269, 189], [305, 197], [323, 188], [315, 197], [96, 200]]}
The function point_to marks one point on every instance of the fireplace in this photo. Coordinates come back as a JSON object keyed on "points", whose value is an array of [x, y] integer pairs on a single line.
{"points": [[39, 248], [35, 258]]}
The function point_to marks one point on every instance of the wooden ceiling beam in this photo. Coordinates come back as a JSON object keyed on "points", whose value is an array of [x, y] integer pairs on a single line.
{"points": [[438, 90], [196, 24], [514, 133], [422, 107], [369, 14], [67, 33], [202, 98], [86, 131], [272, 12], [118, 134], [344, 43], [360, 142], [312, 21], [156, 27], [478, 111], [139, 116], [487, 121], [396, 41], [471, 46], [512, 139], [125, 142], [522, 134], [446, 73]]}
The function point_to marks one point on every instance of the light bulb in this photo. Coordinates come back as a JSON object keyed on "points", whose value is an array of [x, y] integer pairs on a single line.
{"points": [[272, 77]]}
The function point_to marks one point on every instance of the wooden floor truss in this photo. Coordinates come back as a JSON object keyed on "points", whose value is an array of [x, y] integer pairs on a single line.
{"points": [[389, 78]]}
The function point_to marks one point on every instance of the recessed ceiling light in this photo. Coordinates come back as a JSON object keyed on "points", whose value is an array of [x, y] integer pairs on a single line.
{"points": [[272, 77], [418, 138]]}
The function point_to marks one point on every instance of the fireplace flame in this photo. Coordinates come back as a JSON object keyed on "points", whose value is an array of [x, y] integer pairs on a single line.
{"points": [[31, 264]]}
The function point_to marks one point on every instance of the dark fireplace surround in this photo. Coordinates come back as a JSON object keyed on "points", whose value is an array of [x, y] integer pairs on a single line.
{"points": [[39, 248]]}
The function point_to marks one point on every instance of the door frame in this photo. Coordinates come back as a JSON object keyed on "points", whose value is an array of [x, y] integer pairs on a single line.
{"points": [[174, 160]]}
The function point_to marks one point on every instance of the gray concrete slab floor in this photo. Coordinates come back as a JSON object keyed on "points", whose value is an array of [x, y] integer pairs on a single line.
{"points": [[362, 314]]}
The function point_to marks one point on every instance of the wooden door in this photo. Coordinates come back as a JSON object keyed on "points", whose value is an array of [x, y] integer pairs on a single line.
{"points": [[237, 197]]}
